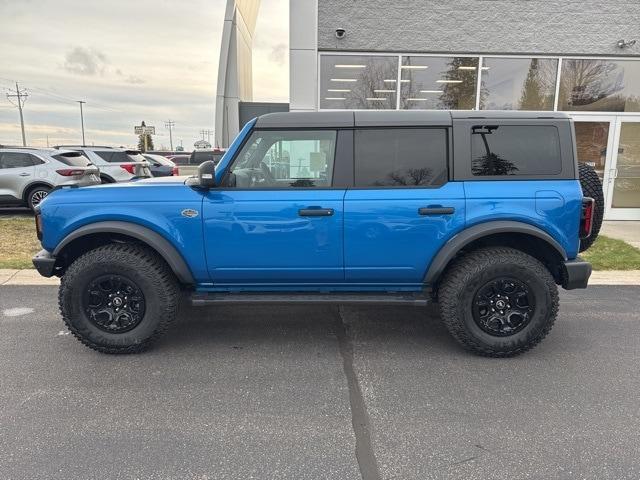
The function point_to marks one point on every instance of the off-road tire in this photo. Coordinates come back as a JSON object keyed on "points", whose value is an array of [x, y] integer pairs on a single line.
{"points": [[463, 279], [29, 197], [592, 187], [149, 272]]}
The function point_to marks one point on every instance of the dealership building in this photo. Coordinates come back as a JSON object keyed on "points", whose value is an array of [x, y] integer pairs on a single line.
{"points": [[578, 57]]}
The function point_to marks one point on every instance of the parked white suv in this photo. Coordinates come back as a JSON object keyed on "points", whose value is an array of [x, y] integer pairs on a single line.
{"points": [[115, 164], [27, 175]]}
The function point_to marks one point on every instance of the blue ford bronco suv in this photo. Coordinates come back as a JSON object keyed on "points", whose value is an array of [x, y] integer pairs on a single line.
{"points": [[481, 212]]}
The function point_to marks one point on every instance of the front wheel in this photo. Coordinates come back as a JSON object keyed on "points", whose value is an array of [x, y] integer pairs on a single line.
{"points": [[498, 301], [118, 298]]}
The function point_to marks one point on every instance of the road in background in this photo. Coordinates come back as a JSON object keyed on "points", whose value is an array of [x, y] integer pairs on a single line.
{"points": [[297, 392]]}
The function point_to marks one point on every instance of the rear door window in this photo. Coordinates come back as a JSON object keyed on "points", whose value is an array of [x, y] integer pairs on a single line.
{"points": [[500, 150], [400, 157]]}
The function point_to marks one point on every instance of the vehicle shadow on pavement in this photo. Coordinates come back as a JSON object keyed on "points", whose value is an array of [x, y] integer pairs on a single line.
{"points": [[238, 327]]}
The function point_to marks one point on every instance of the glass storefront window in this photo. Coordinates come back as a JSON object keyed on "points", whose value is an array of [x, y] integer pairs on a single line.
{"points": [[518, 83], [438, 83], [358, 82], [599, 85]]}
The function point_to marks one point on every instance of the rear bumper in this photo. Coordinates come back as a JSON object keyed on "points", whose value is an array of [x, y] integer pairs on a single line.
{"points": [[576, 274], [45, 263]]}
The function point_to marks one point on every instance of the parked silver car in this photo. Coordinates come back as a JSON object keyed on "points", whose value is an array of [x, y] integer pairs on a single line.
{"points": [[27, 175], [115, 164]]}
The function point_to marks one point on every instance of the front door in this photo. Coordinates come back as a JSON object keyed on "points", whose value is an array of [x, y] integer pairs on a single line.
{"points": [[623, 195], [277, 219]]}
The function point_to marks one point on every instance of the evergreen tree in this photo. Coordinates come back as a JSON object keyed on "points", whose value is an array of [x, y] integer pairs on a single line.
{"points": [[141, 141], [532, 96]]}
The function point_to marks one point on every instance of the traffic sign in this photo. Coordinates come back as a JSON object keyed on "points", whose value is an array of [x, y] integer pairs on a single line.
{"points": [[146, 130]]}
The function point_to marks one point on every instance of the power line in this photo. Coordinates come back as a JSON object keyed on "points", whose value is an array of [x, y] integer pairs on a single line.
{"points": [[169, 124], [19, 96], [208, 133]]}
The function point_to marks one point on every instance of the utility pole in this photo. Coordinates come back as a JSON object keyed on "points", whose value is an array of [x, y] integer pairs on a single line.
{"points": [[82, 120], [20, 95], [169, 124]]}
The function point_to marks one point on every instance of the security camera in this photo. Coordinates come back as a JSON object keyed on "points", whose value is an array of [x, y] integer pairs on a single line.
{"points": [[341, 33]]}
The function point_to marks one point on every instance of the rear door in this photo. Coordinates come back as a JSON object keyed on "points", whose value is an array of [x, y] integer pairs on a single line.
{"points": [[403, 208], [17, 170], [277, 219]]}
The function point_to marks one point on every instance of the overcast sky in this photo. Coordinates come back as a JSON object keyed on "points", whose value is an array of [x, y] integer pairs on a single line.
{"points": [[149, 60]]}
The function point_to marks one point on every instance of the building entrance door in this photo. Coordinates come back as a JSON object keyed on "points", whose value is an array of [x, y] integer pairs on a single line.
{"points": [[623, 193], [595, 137]]}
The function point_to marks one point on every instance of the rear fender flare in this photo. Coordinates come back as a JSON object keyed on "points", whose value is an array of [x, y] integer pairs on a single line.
{"points": [[465, 237]]}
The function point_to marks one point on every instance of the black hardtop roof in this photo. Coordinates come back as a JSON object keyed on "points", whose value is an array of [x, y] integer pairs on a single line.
{"points": [[388, 118]]}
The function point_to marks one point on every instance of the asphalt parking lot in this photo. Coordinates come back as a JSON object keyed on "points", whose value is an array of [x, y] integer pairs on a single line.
{"points": [[321, 392]]}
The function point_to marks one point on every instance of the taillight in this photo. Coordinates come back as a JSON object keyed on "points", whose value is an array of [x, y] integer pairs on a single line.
{"points": [[586, 220], [129, 167], [69, 172], [175, 171], [39, 226]]}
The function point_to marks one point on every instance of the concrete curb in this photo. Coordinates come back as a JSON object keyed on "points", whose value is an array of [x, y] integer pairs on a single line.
{"points": [[32, 277]]}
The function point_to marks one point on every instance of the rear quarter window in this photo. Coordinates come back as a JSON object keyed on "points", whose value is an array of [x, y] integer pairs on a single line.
{"points": [[512, 150], [72, 159]]}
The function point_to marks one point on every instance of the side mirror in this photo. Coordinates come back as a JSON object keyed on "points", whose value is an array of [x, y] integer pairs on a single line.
{"points": [[207, 174]]}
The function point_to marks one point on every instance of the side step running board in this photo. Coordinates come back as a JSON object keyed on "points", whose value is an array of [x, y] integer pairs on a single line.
{"points": [[205, 299]]}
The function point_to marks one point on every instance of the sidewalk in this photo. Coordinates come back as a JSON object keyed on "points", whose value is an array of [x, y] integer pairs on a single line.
{"points": [[629, 231], [32, 277]]}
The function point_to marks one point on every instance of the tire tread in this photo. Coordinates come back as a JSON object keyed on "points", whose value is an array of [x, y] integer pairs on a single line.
{"points": [[147, 262], [472, 264]]}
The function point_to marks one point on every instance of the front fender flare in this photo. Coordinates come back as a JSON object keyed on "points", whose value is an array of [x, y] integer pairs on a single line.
{"points": [[465, 237], [156, 241]]}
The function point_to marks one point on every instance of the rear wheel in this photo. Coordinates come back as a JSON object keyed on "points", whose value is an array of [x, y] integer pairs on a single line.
{"points": [[118, 298], [592, 187], [36, 195], [498, 302]]}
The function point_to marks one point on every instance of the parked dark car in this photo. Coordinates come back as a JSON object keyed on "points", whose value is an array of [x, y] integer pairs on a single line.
{"points": [[180, 159], [199, 156], [161, 166]]}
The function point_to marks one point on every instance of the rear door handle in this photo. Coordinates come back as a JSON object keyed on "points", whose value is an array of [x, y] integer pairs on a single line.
{"points": [[315, 212], [436, 210]]}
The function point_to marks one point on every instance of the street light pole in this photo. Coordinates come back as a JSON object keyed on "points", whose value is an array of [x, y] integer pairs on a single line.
{"points": [[82, 120]]}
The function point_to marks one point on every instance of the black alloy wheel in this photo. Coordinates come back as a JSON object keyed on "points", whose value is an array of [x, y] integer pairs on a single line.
{"points": [[503, 306], [114, 303]]}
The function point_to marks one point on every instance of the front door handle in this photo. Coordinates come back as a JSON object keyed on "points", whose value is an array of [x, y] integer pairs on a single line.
{"points": [[315, 212], [436, 210], [24, 174]]}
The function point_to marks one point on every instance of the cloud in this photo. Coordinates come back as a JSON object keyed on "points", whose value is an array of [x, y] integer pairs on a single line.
{"points": [[134, 80], [278, 53], [84, 61]]}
